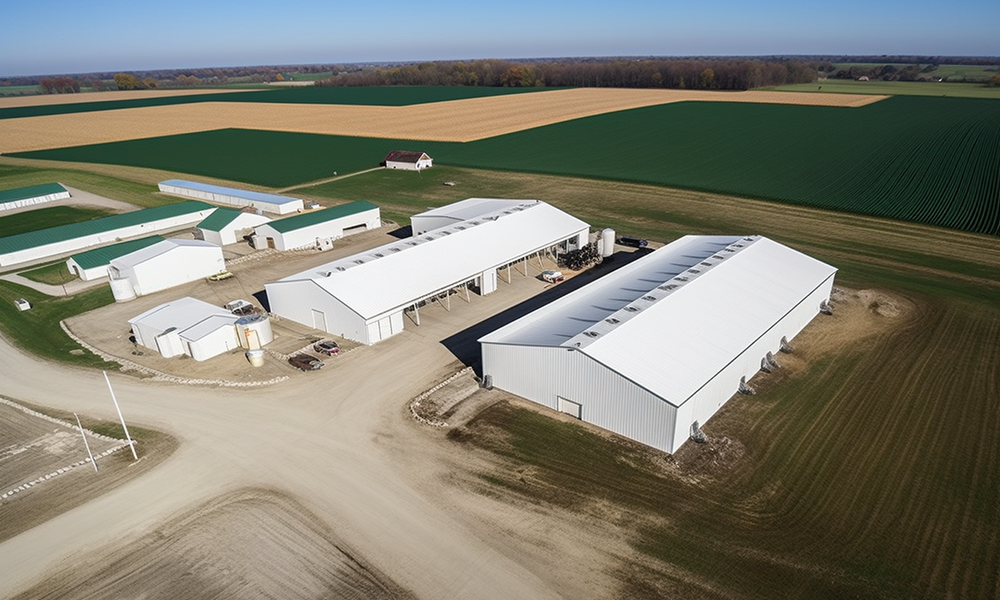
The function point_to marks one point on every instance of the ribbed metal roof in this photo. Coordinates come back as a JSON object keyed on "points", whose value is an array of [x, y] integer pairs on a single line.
{"points": [[52, 235], [32, 191], [219, 218], [104, 255], [672, 320], [227, 191], [314, 217]]}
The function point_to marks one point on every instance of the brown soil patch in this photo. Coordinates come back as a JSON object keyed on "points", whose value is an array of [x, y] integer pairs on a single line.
{"points": [[454, 121], [248, 544], [50, 99]]}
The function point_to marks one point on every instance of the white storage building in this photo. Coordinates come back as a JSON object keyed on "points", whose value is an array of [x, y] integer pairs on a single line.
{"points": [[408, 160], [93, 264], [456, 212], [648, 350], [64, 239], [318, 228], [218, 194], [186, 326], [31, 195], [227, 226], [363, 297], [163, 265]]}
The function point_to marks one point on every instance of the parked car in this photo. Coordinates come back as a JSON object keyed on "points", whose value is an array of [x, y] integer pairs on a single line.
{"points": [[327, 347], [552, 276], [633, 242], [22, 304], [220, 276], [304, 362]]}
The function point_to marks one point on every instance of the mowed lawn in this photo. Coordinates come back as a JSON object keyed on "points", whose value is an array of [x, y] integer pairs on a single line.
{"points": [[43, 218], [919, 159]]}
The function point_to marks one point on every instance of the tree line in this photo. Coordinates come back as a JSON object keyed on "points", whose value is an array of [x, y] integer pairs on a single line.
{"points": [[702, 74]]}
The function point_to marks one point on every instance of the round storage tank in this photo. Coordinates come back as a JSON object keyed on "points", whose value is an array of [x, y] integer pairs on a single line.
{"points": [[122, 290], [254, 331], [607, 242], [256, 357]]}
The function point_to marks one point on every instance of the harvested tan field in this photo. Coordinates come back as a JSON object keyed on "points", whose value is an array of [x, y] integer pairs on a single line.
{"points": [[49, 99], [454, 121]]}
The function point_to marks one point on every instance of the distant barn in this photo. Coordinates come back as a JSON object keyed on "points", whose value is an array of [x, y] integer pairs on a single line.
{"points": [[408, 160]]}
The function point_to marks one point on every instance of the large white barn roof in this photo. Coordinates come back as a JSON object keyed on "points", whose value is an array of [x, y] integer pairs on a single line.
{"points": [[672, 320], [396, 275], [470, 208], [149, 252]]}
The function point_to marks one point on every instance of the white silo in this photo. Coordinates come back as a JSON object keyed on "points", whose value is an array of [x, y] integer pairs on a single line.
{"points": [[607, 243]]}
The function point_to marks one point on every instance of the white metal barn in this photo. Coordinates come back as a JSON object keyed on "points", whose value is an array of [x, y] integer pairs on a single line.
{"points": [[456, 212], [186, 326], [408, 160], [93, 264], [31, 195], [318, 228], [63, 239], [363, 297], [271, 203], [663, 342], [227, 226], [166, 264]]}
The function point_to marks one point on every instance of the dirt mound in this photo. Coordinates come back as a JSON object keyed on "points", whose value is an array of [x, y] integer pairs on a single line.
{"points": [[248, 544]]}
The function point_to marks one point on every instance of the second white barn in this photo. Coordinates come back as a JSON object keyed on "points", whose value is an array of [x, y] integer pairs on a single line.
{"points": [[663, 342], [317, 228], [363, 297], [164, 265]]}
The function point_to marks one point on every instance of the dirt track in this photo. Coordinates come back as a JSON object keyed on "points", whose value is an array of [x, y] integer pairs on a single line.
{"points": [[454, 121]]}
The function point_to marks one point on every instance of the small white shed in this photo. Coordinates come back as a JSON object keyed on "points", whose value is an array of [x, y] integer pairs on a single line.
{"points": [[228, 226], [408, 160], [166, 264], [186, 326]]}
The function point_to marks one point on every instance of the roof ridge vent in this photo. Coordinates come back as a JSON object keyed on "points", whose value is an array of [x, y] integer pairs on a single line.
{"points": [[592, 334], [649, 298], [612, 321], [631, 308]]}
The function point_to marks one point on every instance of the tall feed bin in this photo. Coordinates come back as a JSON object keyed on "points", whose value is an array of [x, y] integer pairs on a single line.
{"points": [[254, 331]]}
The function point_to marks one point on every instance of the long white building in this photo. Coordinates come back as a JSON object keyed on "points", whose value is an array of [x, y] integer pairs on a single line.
{"points": [[363, 297], [271, 203], [663, 342], [163, 265]]}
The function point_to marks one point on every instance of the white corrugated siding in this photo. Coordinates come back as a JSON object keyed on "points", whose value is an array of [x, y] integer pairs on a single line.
{"points": [[608, 400]]}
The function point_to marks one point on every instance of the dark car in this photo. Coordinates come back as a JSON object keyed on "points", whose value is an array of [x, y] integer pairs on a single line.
{"points": [[327, 347], [304, 362], [633, 242]]}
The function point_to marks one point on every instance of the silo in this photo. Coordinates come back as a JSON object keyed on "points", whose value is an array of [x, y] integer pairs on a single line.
{"points": [[254, 331], [607, 243], [122, 289]]}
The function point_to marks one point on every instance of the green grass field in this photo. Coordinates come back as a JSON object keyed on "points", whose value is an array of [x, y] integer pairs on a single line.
{"points": [[371, 96], [895, 88], [54, 274], [926, 160], [42, 218]]}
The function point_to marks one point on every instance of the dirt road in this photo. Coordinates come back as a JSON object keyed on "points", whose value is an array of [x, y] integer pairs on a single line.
{"points": [[340, 443]]}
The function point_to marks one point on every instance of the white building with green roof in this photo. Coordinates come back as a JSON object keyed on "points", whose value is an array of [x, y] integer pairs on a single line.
{"points": [[65, 239], [93, 264], [35, 194], [318, 227], [227, 226]]}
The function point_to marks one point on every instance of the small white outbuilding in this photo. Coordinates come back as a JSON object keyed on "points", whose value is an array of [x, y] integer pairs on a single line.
{"points": [[163, 265], [663, 342], [408, 160], [186, 326], [227, 226]]}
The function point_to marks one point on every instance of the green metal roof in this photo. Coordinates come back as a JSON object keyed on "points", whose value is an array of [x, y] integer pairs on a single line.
{"points": [[315, 217], [52, 235], [219, 218], [32, 191], [103, 256]]}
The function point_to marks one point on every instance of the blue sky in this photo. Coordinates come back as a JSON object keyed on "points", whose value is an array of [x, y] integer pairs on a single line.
{"points": [[58, 36]]}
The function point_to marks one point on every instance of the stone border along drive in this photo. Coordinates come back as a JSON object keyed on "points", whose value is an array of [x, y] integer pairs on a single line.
{"points": [[423, 396], [128, 365], [57, 472]]}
